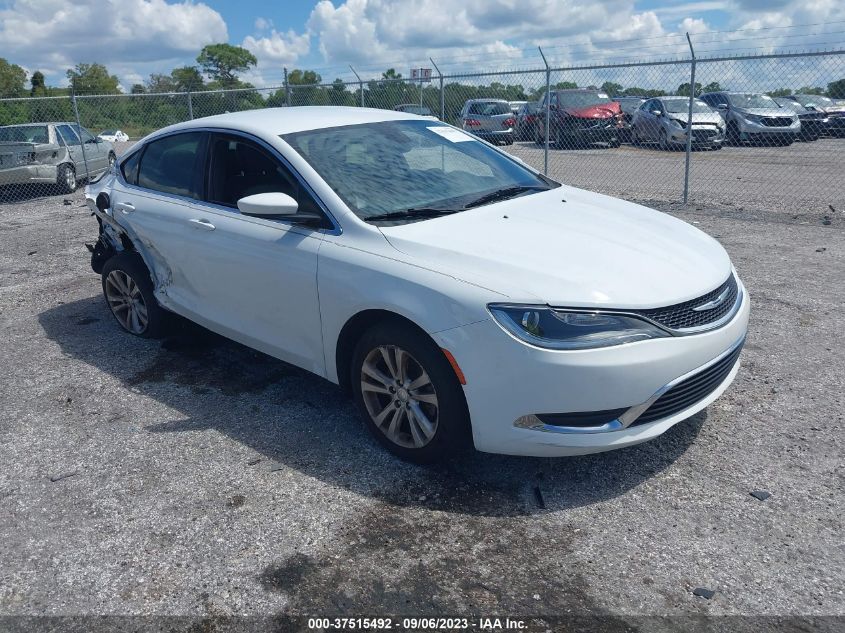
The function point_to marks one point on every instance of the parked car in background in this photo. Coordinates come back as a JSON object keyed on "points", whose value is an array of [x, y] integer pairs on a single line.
{"points": [[813, 123], [665, 121], [51, 153], [629, 105], [415, 108], [835, 111], [113, 136], [526, 121], [489, 119], [754, 118], [516, 105], [456, 293], [580, 117]]}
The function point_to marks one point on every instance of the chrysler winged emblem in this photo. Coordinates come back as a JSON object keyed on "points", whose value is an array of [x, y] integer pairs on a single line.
{"points": [[715, 303]]}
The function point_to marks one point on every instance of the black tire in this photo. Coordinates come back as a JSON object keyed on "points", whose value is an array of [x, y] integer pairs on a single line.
{"points": [[451, 418], [614, 143], [112, 159], [66, 178], [132, 266]]}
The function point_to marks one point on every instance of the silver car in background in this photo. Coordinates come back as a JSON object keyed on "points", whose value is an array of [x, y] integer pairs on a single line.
{"points": [[489, 119], [755, 118], [52, 154], [665, 121]]}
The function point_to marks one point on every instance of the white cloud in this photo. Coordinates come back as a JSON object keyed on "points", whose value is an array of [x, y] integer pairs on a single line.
{"points": [[278, 48], [53, 35]]}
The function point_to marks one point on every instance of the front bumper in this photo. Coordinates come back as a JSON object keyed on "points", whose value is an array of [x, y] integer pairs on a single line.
{"points": [[526, 380], [27, 174], [759, 132], [700, 136]]}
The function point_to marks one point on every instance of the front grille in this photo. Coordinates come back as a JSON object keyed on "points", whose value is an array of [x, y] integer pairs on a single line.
{"points": [[777, 121], [691, 390], [682, 315]]}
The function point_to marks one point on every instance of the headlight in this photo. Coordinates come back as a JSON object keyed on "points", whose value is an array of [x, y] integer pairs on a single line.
{"points": [[752, 118], [678, 123], [554, 329]]}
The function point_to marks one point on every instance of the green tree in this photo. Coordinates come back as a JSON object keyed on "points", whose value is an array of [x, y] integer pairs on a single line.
{"points": [[187, 79], [611, 88], [636, 91], [810, 90], [836, 89], [38, 87], [12, 79], [92, 79], [298, 77], [683, 89], [713, 86], [158, 83], [780, 92], [223, 62]]}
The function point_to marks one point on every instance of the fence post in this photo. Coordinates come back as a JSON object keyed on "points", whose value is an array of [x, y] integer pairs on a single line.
{"points": [[689, 119], [79, 131], [548, 104], [360, 84], [190, 106], [287, 88], [442, 95]]}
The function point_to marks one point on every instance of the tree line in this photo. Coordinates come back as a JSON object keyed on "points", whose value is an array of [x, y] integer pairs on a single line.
{"points": [[220, 67]]}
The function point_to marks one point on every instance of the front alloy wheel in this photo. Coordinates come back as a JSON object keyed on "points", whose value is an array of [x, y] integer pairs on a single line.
{"points": [[408, 393], [399, 396]]}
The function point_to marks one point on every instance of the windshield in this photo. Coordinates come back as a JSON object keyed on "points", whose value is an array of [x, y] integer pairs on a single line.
{"points": [[490, 108], [582, 99], [393, 166], [24, 134], [750, 100], [814, 99], [786, 104], [682, 105]]}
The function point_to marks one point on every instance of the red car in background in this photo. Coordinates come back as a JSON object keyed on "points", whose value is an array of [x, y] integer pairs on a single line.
{"points": [[580, 117]]}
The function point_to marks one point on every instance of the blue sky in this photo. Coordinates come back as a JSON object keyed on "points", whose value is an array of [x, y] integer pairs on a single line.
{"points": [[137, 37]]}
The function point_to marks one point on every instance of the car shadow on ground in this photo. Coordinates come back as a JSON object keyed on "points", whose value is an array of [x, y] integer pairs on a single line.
{"points": [[298, 420]]}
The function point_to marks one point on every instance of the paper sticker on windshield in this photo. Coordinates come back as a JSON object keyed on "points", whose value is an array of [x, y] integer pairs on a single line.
{"points": [[603, 95], [451, 134]]}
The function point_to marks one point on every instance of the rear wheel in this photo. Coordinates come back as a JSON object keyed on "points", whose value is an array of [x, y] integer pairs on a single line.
{"points": [[128, 290], [66, 178], [408, 394], [664, 140]]}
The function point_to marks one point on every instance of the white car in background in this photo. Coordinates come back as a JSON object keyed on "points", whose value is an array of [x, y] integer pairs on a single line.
{"points": [[453, 290], [113, 136]]}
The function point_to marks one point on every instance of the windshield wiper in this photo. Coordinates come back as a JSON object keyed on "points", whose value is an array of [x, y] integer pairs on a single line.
{"points": [[421, 212], [503, 194]]}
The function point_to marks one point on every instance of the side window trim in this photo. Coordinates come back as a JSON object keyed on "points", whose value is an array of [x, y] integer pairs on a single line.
{"points": [[275, 155]]}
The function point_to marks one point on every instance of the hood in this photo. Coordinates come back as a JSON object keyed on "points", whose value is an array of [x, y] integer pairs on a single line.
{"points": [[697, 117], [569, 247], [778, 112], [598, 111]]}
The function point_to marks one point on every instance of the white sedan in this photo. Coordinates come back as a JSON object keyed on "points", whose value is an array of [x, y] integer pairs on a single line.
{"points": [[455, 292], [113, 136]]}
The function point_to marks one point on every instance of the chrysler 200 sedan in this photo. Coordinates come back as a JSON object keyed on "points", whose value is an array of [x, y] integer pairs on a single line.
{"points": [[455, 292]]}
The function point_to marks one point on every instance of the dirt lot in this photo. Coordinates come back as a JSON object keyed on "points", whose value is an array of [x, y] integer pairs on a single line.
{"points": [[194, 477]]}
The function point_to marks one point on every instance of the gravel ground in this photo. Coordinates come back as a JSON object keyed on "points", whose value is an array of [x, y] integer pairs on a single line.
{"points": [[195, 477]]}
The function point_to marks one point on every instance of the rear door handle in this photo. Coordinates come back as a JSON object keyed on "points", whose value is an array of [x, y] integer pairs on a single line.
{"points": [[126, 207], [201, 223]]}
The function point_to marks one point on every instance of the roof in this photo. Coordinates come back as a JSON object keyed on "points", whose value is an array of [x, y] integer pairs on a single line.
{"points": [[277, 121]]}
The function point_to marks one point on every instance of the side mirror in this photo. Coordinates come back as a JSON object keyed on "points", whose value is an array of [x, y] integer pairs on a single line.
{"points": [[271, 204], [656, 112], [721, 106], [279, 206]]}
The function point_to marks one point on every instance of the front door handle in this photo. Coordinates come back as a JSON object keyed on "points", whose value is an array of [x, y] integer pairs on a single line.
{"points": [[201, 223], [126, 207]]}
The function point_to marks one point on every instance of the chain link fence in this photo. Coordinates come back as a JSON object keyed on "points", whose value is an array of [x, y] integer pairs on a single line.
{"points": [[630, 130]]}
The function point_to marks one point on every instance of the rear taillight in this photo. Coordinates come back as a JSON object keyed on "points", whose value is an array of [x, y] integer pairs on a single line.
{"points": [[510, 122], [472, 122]]}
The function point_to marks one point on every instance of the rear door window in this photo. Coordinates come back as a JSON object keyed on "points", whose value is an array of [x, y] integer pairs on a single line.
{"points": [[174, 165], [68, 135]]}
